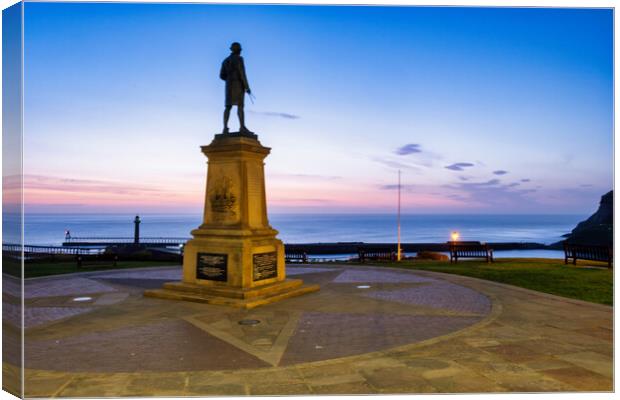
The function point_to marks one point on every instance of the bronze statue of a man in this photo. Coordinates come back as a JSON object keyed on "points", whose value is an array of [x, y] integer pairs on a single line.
{"points": [[233, 72]]}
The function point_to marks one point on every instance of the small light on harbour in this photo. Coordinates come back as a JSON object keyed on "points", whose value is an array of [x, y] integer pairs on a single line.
{"points": [[363, 287], [455, 236], [82, 299]]}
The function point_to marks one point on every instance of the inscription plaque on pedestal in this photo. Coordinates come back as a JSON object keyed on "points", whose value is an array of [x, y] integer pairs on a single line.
{"points": [[212, 267], [265, 266]]}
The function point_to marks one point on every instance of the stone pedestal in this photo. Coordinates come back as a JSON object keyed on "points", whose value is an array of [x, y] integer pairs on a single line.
{"points": [[234, 258]]}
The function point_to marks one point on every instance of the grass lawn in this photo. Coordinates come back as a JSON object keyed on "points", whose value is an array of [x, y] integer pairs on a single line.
{"points": [[56, 268], [544, 275]]}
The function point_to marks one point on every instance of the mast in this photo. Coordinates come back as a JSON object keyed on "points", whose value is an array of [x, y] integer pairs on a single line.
{"points": [[398, 255]]}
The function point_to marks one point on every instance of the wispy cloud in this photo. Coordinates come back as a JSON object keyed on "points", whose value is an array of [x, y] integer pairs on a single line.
{"points": [[58, 184], [11, 182], [525, 180], [460, 166], [306, 176], [500, 172], [275, 114], [395, 187], [420, 160], [52, 193], [455, 196], [491, 182], [395, 164], [490, 193], [302, 200], [408, 149]]}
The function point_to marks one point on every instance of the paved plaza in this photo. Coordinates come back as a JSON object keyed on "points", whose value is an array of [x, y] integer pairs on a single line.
{"points": [[368, 330]]}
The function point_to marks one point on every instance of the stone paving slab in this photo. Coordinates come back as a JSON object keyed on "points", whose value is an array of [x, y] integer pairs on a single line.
{"points": [[171, 275], [11, 286], [518, 347], [63, 287], [36, 316], [12, 313]]}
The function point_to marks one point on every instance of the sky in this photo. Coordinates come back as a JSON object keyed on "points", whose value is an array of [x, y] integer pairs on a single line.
{"points": [[11, 123], [484, 110]]}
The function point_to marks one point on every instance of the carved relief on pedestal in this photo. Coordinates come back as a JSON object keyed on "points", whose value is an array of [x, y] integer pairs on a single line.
{"points": [[224, 203]]}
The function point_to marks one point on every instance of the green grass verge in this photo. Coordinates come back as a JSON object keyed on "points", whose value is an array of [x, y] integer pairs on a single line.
{"points": [[543, 275], [56, 268]]}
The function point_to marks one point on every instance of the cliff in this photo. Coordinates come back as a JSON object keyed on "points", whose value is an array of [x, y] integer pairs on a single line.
{"points": [[599, 228]]}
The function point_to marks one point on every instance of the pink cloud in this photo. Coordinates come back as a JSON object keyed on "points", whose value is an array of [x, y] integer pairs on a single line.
{"points": [[50, 191]]}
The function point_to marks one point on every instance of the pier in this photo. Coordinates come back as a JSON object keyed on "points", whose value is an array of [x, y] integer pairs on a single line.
{"points": [[100, 241]]}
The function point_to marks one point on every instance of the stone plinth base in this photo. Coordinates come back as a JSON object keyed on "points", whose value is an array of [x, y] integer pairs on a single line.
{"points": [[230, 296], [234, 258]]}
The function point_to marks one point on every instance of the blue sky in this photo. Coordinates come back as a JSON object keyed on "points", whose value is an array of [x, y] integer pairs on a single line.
{"points": [[485, 110], [11, 119]]}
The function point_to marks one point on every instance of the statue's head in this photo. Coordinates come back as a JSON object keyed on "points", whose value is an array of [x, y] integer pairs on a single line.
{"points": [[235, 47]]}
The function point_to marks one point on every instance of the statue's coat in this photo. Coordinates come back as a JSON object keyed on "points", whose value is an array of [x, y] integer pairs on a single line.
{"points": [[233, 72]]}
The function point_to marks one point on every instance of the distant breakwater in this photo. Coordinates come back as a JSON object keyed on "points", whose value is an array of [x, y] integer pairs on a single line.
{"points": [[352, 247], [332, 247]]}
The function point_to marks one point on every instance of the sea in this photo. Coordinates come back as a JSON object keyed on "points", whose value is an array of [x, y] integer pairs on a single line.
{"points": [[49, 229]]}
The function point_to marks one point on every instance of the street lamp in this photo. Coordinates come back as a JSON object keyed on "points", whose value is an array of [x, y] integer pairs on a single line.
{"points": [[455, 236]]}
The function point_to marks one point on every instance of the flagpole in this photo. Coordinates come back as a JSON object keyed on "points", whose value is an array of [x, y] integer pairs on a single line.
{"points": [[398, 254]]}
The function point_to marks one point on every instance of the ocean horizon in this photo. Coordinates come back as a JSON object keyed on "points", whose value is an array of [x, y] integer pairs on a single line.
{"points": [[49, 229]]}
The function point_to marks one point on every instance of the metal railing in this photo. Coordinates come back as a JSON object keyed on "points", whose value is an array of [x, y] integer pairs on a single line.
{"points": [[16, 249], [143, 239]]}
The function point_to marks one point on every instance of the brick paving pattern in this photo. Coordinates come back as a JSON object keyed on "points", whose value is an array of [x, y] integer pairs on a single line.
{"points": [[307, 270], [357, 276], [172, 345], [410, 332], [321, 336], [438, 295]]}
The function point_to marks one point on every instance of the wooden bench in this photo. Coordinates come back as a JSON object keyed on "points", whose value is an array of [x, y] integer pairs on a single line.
{"points": [[470, 250], [588, 252], [376, 254], [295, 255]]}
